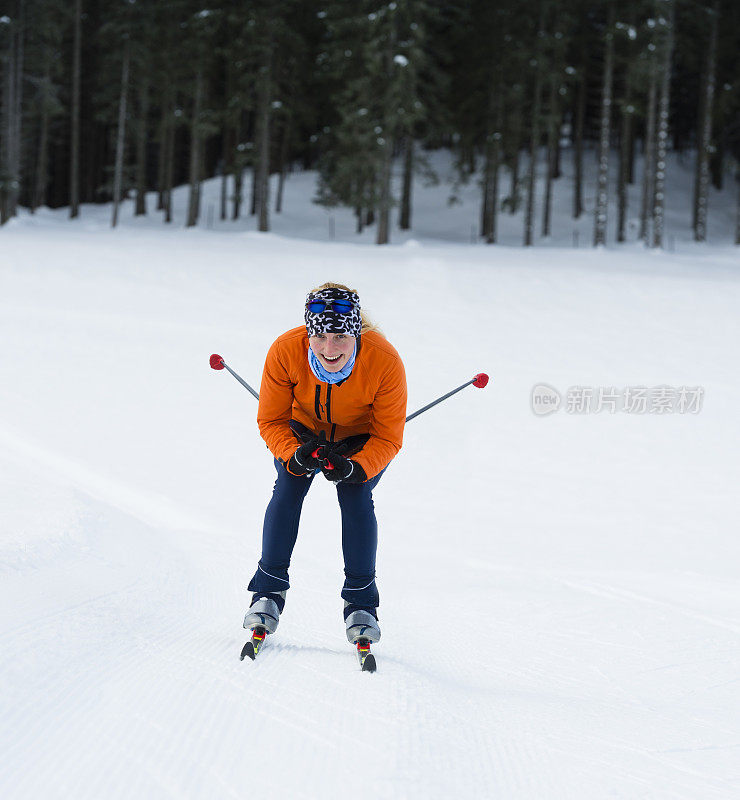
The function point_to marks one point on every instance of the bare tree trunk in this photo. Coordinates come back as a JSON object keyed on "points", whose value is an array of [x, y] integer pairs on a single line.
{"points": [[224, 194], [169, 158], [737, 216], [625, 139], [195, 155], [602, 196], [493, 197], [552, 148], [532, 171], [648, 170], [262, 171], [7, 128], [17, 113], [514, 183], [664, 110], [42, 161], [491, 182], [141, 142], [42, 164], [10, 127], [717, 161], [255, 192], [121, 135], [384, 203], [557, 172], [285, 144], [74, 160], [534, 133], [578, 146], [697, 162], [492, 171], [408, 177], [238, 189], [513, 146], [162, 149], [705, 133], [227, 157], [486, 194]]}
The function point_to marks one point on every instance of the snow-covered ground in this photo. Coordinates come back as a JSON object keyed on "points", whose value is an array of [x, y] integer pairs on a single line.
{"points": [[560, 594]]}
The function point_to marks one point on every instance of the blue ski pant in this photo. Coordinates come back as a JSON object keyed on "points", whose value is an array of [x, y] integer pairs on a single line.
{"points": [[359, 536]]}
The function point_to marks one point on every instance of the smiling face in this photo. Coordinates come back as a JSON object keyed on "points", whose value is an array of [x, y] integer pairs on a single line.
{"points": [[332, 349]]}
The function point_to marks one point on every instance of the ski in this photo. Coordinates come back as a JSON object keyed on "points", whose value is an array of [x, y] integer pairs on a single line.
{"points": [[253, 646], [366, 658]]}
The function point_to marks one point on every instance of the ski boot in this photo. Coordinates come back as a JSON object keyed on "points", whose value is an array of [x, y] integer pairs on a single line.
{"points": [[262, 618], [264, 611], [361, 622], [362, 631]]}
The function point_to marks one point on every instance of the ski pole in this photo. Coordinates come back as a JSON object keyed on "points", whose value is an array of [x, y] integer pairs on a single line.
{"points": [[218, 363], [479, 381]]}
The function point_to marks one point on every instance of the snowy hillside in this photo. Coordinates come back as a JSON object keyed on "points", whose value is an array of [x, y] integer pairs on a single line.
{"points": [[560, 595]]}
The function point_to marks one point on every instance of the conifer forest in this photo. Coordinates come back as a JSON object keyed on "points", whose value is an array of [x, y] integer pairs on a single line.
{"points": [[109, 99]]}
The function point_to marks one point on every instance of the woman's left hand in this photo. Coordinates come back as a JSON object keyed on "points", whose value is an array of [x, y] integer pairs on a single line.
{"points": [[339, 469]]}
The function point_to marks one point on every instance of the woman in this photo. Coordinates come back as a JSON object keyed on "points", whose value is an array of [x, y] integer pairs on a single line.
{"points": [[332, 400]]}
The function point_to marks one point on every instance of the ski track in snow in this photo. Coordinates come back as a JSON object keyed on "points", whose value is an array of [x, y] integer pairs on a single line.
{"points": [[580, 572]]}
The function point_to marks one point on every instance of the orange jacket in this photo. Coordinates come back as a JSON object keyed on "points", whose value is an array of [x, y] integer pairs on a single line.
{"points": [[372, 400]]}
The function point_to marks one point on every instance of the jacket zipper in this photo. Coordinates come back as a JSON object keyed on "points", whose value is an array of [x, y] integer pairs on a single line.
{"points": [[318, 406]]}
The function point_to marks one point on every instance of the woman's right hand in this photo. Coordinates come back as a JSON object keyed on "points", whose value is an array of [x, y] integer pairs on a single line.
{"points": [[307, 458]]}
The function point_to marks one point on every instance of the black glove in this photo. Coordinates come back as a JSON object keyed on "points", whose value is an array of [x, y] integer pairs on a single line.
{"points": [[339, 469], [307, 457]]}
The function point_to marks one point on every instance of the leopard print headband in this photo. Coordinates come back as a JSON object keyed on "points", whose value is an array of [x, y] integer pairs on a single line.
{"points": [[330, 321]]}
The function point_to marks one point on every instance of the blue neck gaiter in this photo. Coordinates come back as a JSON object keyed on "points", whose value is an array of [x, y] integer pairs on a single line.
{"points": [[330, 377]]}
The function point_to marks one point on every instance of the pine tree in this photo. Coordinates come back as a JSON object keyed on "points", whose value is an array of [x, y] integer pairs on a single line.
{"points": [[627, 111], [267, 36], [12, 33], [534, 132], [704, 139], [196, 173], [737, 212], [492, 160], [74, 152], [145, 43], [557, 45], [649, 143], [600, 213], [580, 113], [374, 61], [121, 133], [350, 156], [663, 119], [43, 105], [420, 84], [552, 148], [201, 27]]}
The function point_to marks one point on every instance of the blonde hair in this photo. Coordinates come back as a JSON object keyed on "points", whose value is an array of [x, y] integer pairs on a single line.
{"points": [[367, 323]]}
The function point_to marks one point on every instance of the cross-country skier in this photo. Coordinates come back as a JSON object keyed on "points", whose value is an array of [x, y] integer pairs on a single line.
{"points": [[332, 400]]}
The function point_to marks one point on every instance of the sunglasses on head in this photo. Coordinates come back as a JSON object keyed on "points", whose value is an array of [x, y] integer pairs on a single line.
{"points": [[337, 306]]}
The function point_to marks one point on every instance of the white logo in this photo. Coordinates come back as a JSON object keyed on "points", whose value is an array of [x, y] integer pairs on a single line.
{"points": [[545, 400]]}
